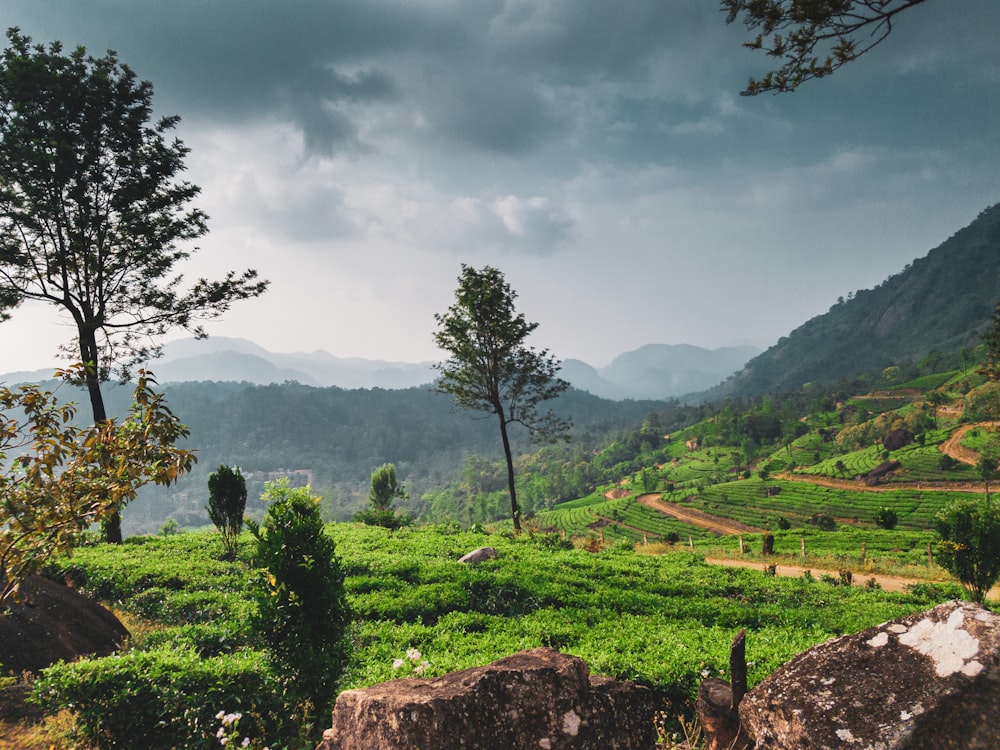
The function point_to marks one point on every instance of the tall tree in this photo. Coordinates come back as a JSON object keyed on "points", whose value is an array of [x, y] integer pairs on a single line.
{"points": [[812, 38], [93, 215], [491, 367]]}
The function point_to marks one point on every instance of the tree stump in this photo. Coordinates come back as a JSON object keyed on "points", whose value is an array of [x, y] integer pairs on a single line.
{"points": [[768, 544], [719, 701]]}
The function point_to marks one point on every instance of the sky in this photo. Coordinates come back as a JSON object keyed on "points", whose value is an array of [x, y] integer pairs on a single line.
{"points": [[358, 152]]}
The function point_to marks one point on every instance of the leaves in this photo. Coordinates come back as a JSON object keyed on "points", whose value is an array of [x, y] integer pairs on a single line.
{"points": [[67, 478], [94, 215], [491, 368], [813, 38]]}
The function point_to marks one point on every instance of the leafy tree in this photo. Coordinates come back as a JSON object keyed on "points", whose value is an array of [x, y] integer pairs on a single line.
{"points": [[991, 368], [492, 369], [93, 217], [886, 518], [986, 466], [61, 478], [302, 617], [227, 499], [811, 38], [970, 544], [384, 489]]}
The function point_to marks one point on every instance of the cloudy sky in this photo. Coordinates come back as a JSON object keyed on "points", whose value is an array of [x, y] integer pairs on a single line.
{"points": [[357, 152]]}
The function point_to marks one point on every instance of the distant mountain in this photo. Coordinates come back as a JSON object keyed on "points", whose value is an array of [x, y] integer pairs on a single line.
{"points": [[654, 371], [658, 371], [219, 358], [941, 302]]}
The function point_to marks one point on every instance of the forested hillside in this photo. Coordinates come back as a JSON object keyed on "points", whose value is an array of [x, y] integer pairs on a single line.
{"points": [[939, 303], [333, 438]]}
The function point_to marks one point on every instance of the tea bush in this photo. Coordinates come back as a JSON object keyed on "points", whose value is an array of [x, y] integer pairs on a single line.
{"points": [[165, 698]]}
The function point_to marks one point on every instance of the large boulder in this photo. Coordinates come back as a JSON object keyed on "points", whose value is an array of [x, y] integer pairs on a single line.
{"points": [[539, 699], [922, 682], [52, 622]]}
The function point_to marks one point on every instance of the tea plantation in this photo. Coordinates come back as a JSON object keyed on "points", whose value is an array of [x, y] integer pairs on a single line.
{"points": [[665, 621]]}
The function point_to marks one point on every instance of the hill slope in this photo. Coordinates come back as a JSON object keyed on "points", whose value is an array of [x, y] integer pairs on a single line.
{"points": [[940, 302]]}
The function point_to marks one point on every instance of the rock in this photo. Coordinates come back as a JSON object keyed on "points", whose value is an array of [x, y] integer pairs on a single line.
{"points": [[53, 622], [478, 555], [896, 439], [922, 682], [539, 699]]}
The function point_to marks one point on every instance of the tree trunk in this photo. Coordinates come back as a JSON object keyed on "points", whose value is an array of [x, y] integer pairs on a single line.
{"points": [[719, 701], [89, 356], [515, 510]]}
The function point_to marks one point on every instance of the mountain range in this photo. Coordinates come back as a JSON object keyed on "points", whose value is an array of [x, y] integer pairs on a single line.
{"points": [[654, 371], [941, 302]]}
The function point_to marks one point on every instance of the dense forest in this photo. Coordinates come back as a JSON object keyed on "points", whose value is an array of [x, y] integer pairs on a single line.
{"points": [[333, 438]]}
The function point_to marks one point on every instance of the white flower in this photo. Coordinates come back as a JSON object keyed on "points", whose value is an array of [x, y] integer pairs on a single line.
{"points": [[246, 742], [221, 733], [705, 673], [220, 715], [397, 663], [413, 655]]}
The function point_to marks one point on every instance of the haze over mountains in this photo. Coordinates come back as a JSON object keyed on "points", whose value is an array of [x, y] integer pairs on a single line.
{"points": [[941, 302], [654, 371]]}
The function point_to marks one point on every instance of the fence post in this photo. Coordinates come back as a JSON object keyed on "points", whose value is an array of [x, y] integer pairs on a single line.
{"points": [[862, 551], [802, 546], [741, 544], [645, 538], [691, 543]]}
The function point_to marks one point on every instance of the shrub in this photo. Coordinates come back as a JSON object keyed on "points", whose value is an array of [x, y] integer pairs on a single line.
{"points": [[302, 616], [227, 499], [163, 698], [970, 544], [886, 518]]}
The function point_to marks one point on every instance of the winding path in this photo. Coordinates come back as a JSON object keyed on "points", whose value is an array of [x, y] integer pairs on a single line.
{"points": [[717, 524]]}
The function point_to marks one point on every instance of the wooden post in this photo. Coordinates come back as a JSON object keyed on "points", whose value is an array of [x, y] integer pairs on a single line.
{"points": [[719, 702], [645, 538], [862, 551], [562, 533], [742, 551], [602, 536], [802, 546], [691, 543]]}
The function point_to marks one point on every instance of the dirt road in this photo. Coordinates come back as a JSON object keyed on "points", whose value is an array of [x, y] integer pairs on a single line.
{"points": [[888, 583], [716, 524]]}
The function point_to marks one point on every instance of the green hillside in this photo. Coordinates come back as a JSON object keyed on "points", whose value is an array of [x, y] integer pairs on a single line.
{"points": [[938, 303]]}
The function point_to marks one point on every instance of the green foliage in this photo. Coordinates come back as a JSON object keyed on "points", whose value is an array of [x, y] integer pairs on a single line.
{"points": [[492, 369], [70, 477], [970, 544], [982, 404], [659, 620], [302, 617], [100, 243], [886, 518], [164, 698], [384, 490], [227, 499]]}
